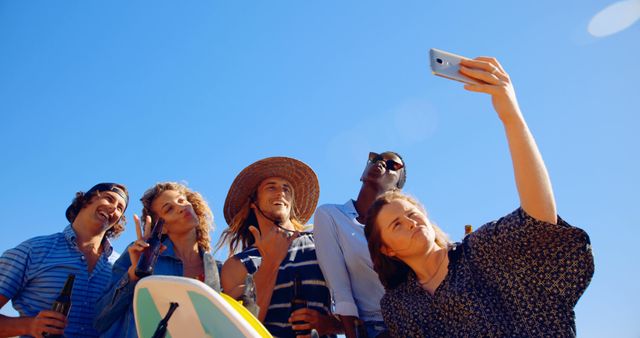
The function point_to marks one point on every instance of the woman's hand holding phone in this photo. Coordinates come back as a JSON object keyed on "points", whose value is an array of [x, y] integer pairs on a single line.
{"points": [[493, 80], [532, 179], [483, 75]]}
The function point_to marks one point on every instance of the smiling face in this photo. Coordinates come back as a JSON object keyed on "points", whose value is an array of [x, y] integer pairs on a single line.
{"points": [[177, 212], [405, 230], [103, 210], [274, 198], [378, 172]]}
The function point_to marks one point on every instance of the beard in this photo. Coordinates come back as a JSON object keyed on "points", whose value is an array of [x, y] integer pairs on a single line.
{"points": [[277, 217]]}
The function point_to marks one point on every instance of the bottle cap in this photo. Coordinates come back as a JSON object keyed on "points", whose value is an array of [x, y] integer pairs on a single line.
{"points": [[468, 229]]}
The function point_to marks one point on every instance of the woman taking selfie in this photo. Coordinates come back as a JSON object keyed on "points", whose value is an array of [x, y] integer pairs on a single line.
{"points": [[518, 276], [187, 221]]}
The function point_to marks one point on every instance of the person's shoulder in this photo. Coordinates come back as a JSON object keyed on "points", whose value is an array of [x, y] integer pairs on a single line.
{"points": [[328, 206], [42, 241], [248, 253], [495, 226], [232, 276], [45, 238], [333, 214], [232, 264], [396, 297], [233, 270], [403, 289], [327, 209], [33, 251]]}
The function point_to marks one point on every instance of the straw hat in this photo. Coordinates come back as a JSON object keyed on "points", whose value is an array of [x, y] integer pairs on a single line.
{"points": [[303, 179]]}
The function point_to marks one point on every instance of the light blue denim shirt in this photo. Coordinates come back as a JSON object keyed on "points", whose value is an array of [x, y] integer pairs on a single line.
{"points": [[345, 261], [115, 309]]}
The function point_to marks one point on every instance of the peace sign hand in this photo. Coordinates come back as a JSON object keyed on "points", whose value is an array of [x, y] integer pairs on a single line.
{"points": [[136, 248]]}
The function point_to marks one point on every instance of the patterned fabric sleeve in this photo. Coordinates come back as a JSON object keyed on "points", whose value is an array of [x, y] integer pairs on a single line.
{"points": [[397, 310], [519, 254]]}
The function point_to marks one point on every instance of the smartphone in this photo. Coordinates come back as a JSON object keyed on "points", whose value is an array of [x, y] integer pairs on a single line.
{"points": [[447, 65]]}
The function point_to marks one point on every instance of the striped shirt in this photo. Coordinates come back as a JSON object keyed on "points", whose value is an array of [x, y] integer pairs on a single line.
{"points": [[301, 261], [33, 274]]}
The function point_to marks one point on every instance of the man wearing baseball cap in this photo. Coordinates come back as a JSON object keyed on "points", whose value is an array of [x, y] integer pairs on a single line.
{"points": [[33, 273], [266, 208]]}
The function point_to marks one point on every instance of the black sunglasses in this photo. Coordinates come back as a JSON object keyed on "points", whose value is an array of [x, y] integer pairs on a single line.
{"points": [[391, 164]]}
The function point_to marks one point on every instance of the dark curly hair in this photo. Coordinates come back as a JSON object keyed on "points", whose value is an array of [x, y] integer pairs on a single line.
{"points": [[82, 199]]}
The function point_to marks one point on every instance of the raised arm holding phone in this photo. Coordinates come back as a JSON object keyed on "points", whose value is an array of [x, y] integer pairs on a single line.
{"points": [[520, 275]]}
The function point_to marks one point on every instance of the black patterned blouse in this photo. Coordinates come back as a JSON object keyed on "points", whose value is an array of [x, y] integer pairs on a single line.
{"points": [[514, 277]]}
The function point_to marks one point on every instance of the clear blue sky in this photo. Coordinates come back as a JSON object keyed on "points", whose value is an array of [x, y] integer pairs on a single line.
{"points": [[144, 91]]}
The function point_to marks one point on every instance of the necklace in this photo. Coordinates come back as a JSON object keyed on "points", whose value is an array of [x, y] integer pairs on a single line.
{"points": [[423, 284]]}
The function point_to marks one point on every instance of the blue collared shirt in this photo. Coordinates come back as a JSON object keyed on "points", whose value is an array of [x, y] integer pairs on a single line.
{"points": [[33, 274], [345, 261], [115, 317]]}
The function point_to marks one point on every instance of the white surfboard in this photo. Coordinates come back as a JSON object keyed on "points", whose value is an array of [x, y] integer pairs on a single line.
{"points": [[202, 312]]}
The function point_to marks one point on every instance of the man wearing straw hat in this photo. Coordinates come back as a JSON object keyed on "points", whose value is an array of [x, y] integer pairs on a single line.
{"points": [[266, 208]]}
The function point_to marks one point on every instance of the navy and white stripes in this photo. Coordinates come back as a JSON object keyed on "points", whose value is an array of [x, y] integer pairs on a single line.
{"points": [[301, 260]]}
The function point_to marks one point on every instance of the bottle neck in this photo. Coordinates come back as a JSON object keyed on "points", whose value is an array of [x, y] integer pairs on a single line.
{"points": [[68, 285], [156, 232]]}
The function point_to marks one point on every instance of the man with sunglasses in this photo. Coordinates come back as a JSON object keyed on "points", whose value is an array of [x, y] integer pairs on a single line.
{"points": [[342, 247], [33, 273]]}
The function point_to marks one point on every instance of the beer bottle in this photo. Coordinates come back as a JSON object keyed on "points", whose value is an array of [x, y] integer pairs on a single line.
{"points": [[62, 304], [248, 296], [298, 302], [467, 230], [150, 254]]}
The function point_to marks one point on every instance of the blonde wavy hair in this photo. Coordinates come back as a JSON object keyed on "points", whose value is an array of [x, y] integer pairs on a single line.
{"points": [[200, 206], [237, 235]]}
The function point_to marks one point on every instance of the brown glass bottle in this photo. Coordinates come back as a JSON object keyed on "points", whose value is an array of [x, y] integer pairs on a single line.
{"points": [[468, 229], [62, 304], [298, 302], [150, 254]]}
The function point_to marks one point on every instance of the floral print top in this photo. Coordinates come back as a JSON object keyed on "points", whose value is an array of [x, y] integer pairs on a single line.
{"points": [[514, 277]]}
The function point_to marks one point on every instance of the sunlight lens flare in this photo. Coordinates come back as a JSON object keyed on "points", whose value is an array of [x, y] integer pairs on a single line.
{"points": [[615, 18]]}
